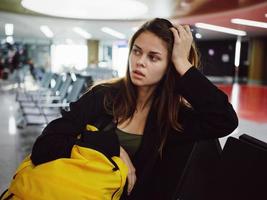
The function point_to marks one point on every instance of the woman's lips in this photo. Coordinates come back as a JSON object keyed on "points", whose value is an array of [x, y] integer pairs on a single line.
{"points": [[137, 72]]}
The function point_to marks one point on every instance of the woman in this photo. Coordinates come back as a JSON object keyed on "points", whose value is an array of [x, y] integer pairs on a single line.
{"points": [[159, 109]]}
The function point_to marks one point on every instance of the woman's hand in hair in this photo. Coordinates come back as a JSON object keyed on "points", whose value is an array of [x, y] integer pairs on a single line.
{"points": [[131, 170], [181, 47]]}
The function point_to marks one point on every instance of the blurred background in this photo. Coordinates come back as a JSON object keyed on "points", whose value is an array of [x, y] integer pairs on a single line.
{"points": [[51, 51]]}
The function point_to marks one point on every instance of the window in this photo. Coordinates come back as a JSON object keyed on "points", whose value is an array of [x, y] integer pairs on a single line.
{"points": [[66, 57]]}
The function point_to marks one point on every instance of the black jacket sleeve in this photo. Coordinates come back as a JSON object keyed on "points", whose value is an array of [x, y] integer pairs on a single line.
{"points": [[211, 115], [59, 136]]}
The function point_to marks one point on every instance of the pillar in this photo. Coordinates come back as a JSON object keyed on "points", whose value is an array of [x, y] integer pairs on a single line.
{"points": [[93, 47], [257, 72]]}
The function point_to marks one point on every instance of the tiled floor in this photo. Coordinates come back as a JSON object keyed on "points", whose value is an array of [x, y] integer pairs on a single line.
{"points": [[250, 103]]}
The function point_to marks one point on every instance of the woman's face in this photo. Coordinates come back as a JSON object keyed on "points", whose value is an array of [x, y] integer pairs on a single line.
{"points": [[148, 60]]}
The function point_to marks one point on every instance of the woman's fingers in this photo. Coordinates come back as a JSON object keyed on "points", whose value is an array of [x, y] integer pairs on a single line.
{"points": [[131, 180], [181, 47], [181, 30], [131, 170], [175, 34], [131, 176], [187, 29]]}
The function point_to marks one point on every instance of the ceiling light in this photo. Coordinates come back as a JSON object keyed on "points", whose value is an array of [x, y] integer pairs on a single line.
{"points": [[198, 35], [9, 29], [47, 31], [211, 52], [113, 33], [249, 23], [88, 9], [220, 29], [82, 32]]}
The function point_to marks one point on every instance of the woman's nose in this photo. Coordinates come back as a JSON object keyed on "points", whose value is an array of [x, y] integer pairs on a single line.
{"points": [[141, 61]]}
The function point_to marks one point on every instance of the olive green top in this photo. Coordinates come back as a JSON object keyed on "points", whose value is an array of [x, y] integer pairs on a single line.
{"points": [[130, 142]]}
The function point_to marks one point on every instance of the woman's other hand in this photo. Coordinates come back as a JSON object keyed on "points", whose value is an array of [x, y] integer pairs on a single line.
{"points": [[181, 47], [131, 170]]}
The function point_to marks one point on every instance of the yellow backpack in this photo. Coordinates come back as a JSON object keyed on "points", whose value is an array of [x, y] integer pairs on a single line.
{"points": [[87, 174]]}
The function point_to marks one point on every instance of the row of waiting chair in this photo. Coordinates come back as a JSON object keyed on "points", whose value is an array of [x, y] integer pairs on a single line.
{"points": [[236, 172], [45, 104]]}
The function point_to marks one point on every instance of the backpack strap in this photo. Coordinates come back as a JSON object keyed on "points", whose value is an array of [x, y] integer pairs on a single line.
{"points": [[8, 197]]}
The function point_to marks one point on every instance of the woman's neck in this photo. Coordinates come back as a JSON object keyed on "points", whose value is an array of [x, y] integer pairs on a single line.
{"points": [[144, 97]]}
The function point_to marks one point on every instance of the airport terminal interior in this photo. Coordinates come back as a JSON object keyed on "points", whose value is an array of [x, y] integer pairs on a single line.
{"points": [[48, 56]]}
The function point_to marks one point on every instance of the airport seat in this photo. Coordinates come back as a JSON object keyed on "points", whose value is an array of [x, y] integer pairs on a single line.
{"points": [[43, 86], [236, 172], [50, 111], [241, 173], [196, 176], [55, 95]]}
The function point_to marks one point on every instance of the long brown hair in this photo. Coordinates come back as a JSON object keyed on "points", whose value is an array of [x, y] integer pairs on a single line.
{"points": [[123, 104]]}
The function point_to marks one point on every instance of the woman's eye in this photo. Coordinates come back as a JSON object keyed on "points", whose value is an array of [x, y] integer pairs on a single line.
{"points": [[153, 58], [136, 52]]}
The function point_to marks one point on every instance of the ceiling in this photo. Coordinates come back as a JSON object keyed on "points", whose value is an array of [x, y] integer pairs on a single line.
{"points": [[217, 12]]}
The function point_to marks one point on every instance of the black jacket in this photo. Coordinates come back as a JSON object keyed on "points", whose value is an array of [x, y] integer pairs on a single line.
{"points": [[211, 116]]}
